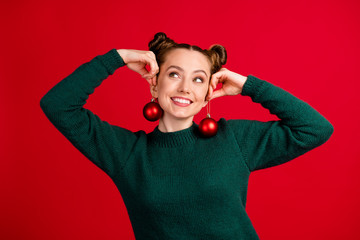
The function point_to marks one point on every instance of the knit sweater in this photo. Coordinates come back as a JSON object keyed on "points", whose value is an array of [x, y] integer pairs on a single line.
{"points": [[179, 185]]}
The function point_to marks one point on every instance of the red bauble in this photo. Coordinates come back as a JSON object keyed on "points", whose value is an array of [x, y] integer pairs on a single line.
{"points": [[208, 127], [152, 111]]}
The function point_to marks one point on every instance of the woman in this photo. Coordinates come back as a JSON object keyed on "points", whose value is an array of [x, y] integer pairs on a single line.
{"points": [[175, 183]]}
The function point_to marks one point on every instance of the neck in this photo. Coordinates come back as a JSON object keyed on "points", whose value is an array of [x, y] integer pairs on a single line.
{"points": [[174, 124]]}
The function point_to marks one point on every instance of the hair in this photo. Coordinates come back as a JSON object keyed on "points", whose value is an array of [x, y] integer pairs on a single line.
{"points": [[161, 45]]}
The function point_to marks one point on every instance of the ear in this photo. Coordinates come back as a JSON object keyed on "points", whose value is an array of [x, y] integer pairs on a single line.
{"points": [[154, 89], [206, 101]]}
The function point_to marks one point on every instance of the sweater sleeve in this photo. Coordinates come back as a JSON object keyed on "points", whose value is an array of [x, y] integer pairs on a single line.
{"points": [[266, 144], [106, 145]]}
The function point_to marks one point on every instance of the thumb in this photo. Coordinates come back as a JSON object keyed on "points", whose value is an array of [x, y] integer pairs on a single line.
{"points": [[218, 93], [143, 72]]}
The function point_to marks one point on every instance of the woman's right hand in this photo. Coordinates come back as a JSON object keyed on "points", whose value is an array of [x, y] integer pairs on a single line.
{"points": [[136, 60]]}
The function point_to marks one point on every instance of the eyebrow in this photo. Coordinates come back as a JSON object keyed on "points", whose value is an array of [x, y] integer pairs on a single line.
{"points": [[179, 68]]}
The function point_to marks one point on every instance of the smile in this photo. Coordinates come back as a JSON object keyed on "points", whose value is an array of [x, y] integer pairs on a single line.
{"points": [[181, 101]]}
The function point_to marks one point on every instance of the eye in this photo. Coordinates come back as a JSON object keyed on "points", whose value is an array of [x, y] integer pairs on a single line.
{"points": [[173, 74], [198, 79]]}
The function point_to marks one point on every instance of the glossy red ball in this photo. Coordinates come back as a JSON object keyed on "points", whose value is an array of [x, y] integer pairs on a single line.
{"points": [[152, 111], [208, 127]]}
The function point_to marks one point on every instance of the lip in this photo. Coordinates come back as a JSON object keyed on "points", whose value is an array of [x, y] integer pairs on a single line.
{"points": [[182, 98], [181, 104]]}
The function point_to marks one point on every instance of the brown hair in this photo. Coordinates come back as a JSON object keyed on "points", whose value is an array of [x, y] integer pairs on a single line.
{"points": [[161, 45]]}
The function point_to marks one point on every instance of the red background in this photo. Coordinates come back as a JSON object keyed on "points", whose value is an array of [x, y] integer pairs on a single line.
{"points": [[49, 190]]}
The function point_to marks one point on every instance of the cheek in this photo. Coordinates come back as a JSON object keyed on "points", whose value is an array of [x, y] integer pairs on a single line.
{"points": [[163, 94], [201, 93], [161, 99]]}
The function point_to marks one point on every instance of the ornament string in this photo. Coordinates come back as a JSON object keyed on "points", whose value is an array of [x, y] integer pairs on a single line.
{"points": [[208, 109]]}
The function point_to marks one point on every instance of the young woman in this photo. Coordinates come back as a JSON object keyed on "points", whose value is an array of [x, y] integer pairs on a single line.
{"points": [[176, 183]]}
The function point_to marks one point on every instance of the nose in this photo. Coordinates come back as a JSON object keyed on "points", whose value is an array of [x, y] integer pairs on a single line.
{"points": [[184, 86]]}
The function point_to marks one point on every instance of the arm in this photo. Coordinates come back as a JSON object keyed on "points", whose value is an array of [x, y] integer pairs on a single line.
{"points": [[107, 146], [266, 144]]}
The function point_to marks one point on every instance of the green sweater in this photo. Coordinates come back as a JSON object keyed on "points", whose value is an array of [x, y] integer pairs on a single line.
{"points": [[179, 185]]}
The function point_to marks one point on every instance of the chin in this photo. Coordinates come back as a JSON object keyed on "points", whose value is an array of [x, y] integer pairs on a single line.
{"points": [[181, 116]]}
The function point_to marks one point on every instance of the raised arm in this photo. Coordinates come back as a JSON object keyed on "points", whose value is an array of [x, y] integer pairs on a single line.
{"points": [[106, 145], [266, 144]]}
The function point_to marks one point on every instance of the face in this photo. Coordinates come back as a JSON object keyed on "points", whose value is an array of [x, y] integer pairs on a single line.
{"points": [[182, 83]]}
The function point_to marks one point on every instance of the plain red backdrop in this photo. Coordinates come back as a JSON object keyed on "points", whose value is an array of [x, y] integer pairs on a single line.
{"points": [[49, 190]]}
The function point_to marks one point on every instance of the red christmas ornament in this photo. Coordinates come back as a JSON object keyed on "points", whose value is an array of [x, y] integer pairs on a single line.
{"points": [[208, 126], [152, 111]]}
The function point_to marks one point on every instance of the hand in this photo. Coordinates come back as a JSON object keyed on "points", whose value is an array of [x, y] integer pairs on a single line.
{"points": [[232, 83], [136, 60]]}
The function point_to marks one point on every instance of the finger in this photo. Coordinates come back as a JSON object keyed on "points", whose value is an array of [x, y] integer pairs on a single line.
{"points": [[150, 74], [148, 60], [216, 79], [153, 80], [149, 80], [154, 69], [212, 80], [213, 83], [144, 73], [221, 77], [218, 93], [216, 83]]}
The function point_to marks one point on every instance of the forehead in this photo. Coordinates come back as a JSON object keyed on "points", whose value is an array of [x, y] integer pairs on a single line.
{"points": [[189, 60]]}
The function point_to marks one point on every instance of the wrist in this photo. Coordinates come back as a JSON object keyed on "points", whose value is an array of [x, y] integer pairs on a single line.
{"points": [[122, 53], [242, 82]]}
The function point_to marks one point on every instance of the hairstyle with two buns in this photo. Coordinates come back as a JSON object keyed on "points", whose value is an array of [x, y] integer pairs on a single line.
{"points": [[161, 45]]}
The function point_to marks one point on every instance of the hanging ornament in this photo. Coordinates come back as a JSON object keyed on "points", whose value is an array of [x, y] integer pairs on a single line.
{"points": [[208, 126], [152, 111]]}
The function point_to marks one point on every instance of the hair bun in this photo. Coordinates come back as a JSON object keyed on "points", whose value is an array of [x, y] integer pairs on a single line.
{"points": [[221, 52], [159, 42]]}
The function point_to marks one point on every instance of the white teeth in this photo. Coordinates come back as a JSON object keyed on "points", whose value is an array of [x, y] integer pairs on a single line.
{"points": [[181, 100]]}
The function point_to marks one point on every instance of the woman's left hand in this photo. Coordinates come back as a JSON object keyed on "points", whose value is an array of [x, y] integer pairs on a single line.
{"points": [[232, 84]]}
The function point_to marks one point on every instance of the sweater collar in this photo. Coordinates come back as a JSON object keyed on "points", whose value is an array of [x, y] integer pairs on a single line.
{"points": [[173, 139]]}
